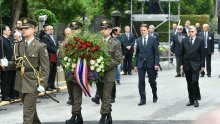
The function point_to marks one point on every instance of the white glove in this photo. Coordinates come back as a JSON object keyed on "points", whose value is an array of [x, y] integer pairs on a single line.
{"points": [[40, 89], [4, 62]]}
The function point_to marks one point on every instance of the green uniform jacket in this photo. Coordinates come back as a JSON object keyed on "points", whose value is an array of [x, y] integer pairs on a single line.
{"points": [[116, 58], [37, 54]]}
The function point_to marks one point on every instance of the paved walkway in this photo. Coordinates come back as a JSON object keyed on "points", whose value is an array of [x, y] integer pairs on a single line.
{"points": [[170, 108]]}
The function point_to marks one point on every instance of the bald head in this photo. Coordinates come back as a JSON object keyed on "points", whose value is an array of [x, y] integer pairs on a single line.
{"points": [[205, 27], [67, 32]]}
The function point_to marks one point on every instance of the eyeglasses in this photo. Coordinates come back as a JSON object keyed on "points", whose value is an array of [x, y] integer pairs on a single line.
{"points": [[179, 29], [190, 31]]}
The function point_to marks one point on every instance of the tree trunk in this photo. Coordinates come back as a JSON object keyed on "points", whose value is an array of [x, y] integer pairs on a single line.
{"points": [[15, 8]]}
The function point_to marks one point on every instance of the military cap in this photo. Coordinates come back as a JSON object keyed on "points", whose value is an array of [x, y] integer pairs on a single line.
{"points": [[106, 24], [26, 23], [75, 25]]}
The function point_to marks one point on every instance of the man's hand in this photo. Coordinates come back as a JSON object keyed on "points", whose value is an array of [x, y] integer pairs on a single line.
{"points": [[128, 47], [156, 67], [202, 69], [135, 69], [40, 89], [123, 57], [4, 63]]}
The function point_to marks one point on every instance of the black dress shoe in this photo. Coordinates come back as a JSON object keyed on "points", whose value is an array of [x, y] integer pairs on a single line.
{"points": [[6, 98], [95, 100], [112, 100], [196, 104], [202, 75], [155, 99], [189, 103], [71, 120], [178, 75], [109, 119], [129, 73], [103, 118], [142, 102], [209, 75], [118, 82]]}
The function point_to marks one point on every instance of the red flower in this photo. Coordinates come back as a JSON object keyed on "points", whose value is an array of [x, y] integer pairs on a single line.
{"points": [[72, 46], [84, 46], [79, 48], [89, 44], [97, 47], [76, 38], [92, 49], [82, 41]]}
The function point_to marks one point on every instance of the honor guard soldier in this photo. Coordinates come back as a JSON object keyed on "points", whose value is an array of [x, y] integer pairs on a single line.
{"points": [[32, 63], [105, 86], [75, 92]]}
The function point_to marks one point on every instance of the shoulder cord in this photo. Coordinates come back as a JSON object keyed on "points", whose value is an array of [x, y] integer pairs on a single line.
{"points": [[19, 62]]}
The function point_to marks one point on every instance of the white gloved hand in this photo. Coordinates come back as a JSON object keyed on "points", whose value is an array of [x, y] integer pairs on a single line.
{"points": [[4, 62], [40, 89]]}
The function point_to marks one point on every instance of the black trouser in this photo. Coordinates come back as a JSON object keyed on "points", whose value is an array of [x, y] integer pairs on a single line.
{"points": [[152, 73], [192, 78], [178, 60], [52, 75], [208, 62], [6, 82], [127, 63], [113, 95]]}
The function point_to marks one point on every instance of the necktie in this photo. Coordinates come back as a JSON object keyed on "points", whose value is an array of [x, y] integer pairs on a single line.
{"points": [[205, 40], [191, 41], [128, 36], [145, 42]]}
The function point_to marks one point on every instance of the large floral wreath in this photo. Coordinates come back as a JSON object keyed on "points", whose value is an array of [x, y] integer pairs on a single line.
{"points": [[85, 56]]}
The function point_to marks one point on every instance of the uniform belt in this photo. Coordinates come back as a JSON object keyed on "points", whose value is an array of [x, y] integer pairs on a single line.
{"points": [[29, 69]]}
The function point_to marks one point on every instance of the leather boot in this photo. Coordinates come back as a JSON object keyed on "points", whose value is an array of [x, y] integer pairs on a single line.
{"points": [[79, 119], [103, 118], [109, 119], [71, 120]]}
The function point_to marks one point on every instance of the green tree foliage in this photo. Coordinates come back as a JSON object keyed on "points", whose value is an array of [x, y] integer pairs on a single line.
{"points": [[51, 18]]}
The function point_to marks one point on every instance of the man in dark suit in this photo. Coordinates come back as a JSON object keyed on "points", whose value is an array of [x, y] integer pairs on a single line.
{"points": [[146, 60], [209, 48], [154, 34], [175, 48], [52, 46], [193, 61], [6, 51], [127, 50], [186, 28]]}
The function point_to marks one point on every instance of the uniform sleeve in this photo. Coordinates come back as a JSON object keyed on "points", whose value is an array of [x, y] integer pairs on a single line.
{"points": [[44, 65], [117, 57]]}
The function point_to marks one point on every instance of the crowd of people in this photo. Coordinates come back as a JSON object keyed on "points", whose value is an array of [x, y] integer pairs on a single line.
{"points": [[26, 54]]}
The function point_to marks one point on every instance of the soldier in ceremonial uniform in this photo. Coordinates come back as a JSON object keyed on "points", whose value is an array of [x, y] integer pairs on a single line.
{"points": [[75, 92], [32, 63], [105, 86]]}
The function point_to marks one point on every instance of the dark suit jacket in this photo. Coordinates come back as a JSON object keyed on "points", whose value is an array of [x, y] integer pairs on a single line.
{"points": [[156, 36], [7, 48], [51, 47], [210, 41], [184, 31], [193, 55], [148, 53], [127, 42], [176, 45]]}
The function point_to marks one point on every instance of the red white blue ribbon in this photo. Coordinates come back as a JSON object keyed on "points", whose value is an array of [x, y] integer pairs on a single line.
{"points": [[81, 74]]}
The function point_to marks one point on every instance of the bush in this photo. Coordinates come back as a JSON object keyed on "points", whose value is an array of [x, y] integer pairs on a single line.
{"points": [[51, 18]]}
